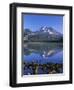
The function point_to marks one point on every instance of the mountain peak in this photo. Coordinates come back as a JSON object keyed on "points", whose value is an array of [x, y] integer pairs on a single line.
{"points": [[50, 30], [45, 28]]}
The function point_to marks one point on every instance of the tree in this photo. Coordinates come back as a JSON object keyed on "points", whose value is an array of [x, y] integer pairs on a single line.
{"points": [[27, 31]]}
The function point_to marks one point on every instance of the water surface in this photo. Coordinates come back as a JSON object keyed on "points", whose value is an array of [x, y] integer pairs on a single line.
{"points": [[42, 58]]}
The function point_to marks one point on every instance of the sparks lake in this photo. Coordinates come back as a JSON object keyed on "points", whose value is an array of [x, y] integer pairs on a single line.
{"points": [[42, 58]]}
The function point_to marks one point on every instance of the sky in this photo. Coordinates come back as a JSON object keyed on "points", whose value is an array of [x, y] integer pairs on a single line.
{"points": [[35, 21]]}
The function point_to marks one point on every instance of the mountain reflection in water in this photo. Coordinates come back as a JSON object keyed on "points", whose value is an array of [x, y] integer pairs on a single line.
{"points": [[42, 58]]}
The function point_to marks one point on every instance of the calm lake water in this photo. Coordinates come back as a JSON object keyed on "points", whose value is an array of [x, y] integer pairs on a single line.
{"points": [[42, 58]]}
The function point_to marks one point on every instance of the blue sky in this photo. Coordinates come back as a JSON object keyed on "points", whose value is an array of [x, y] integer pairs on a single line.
{"points": [[34, 22]]}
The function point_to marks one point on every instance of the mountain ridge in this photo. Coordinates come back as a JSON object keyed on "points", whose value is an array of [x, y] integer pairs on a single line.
{"points": [[43, 34]]}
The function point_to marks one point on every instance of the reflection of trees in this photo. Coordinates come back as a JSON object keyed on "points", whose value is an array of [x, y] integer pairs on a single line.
{"points": [[49, 68], [44, 49]]}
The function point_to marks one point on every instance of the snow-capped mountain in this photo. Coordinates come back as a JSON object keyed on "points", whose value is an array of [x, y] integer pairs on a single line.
{"points": [[45, 34], [50, 30]]}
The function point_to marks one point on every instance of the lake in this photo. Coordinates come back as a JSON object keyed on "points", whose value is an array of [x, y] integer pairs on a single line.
{"points": [[42, 58]]}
